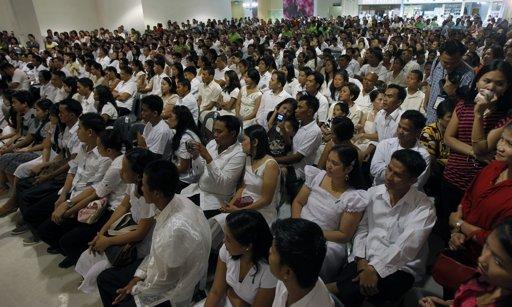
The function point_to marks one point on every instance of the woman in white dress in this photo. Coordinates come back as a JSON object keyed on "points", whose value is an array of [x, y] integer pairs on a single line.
{"points": [[260, 188], [243, 276], [332, 199], [367, 131], [248, 101], [169, 96], [229, 95], [97, 74], [93, 261]]}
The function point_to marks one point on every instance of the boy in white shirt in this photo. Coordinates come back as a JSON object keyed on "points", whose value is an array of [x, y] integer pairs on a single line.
{"points": [[415, 97], [390, 246], [295, 258], [157, 133]]}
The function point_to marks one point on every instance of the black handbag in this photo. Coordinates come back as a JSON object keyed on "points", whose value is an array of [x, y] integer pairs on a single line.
{"points": [[121, 255]]}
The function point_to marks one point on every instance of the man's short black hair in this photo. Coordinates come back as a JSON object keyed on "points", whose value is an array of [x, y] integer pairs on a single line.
{"points": [[418, 120], [453, 47], [231, 122], [412, 160], [87, 83], [162, 176], [311, 102], [301, 246], [402, 93], [154, 103], [72, 106], [93, 121]]}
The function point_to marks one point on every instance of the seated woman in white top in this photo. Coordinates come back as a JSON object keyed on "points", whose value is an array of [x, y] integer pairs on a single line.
{"points": [[243, 276], [106, 103], [260, 188], [331, 199], [334, 88], [349, 93], [97, 74], [94, 261], [169, 95], [248, 101], [181, 120], [295, 258], [229, 95], [292, 85], [366, 132]]}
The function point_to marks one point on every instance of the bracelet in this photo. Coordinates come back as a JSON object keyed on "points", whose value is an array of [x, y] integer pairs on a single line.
{"points": [[478, 141]]}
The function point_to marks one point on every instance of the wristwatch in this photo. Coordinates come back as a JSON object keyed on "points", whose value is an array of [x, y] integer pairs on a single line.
{"points": [[69, 203], [458, 225]]}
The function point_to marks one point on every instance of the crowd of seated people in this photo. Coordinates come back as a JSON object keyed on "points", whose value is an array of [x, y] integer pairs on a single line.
{"points": [[244, 162]]}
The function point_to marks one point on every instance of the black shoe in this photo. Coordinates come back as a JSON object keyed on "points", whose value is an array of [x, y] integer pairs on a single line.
{"points": [[66, 263], [53, 250]]}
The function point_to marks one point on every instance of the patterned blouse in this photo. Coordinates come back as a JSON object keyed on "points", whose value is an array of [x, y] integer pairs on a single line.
{"points": [[433, 140]]}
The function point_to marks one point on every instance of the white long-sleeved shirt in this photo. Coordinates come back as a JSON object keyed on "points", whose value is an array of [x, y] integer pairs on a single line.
{"points": [[395, 237], [386, 124], [220, 177], [382, 157], [178, 258]]}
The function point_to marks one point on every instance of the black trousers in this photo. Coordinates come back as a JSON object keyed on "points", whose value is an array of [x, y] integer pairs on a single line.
{"points": [[71, 236], [207, 213], [391, 288], [110, 280], [447, 202]]}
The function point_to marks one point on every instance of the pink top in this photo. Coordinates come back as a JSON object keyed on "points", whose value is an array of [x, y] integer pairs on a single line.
{"points": [[467, 294]]}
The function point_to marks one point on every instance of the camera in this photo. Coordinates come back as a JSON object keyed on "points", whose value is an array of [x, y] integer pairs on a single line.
{"points": [[280, 118]]}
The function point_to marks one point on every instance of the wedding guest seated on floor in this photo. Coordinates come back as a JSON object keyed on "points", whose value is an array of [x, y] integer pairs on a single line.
{"points": [[243, 274], [295, 259], [390, 246], [333, 199], [94, 260], [179, 252]]}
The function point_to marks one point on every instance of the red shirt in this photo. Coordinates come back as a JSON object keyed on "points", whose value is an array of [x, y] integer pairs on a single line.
{"points": [[487, 204]]}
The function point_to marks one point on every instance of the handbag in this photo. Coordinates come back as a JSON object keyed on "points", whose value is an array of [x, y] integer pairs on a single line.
{"points": [[121, 255], [92, 212], [243, 202], [450, 272]]}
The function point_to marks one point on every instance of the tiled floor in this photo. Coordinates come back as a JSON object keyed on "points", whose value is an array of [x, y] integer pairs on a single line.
{"points": [[31, 277]]}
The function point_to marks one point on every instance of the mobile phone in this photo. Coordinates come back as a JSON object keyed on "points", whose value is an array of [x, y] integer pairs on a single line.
{"points": [[189, 145], [280, 117]]}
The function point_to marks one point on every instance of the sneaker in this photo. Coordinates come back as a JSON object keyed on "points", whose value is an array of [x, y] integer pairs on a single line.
{"points": [[66, 263], [31, 241], [19, 229]]}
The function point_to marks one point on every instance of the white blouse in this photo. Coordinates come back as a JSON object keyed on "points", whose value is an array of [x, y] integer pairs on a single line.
{"points": [[323, 208], [252, 282]]}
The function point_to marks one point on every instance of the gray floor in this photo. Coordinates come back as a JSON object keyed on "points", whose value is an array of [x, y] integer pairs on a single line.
{"points": [[31, 277]]}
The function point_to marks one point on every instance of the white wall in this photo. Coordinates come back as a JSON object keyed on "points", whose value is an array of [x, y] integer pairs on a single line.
{"points": [[25, 16], [156, 11], [113, 13], [66, 15], [322, 7]]}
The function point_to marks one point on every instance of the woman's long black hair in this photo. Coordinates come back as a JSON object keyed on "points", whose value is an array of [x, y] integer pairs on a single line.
{"points": [[185, 122], [249, 228]]}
